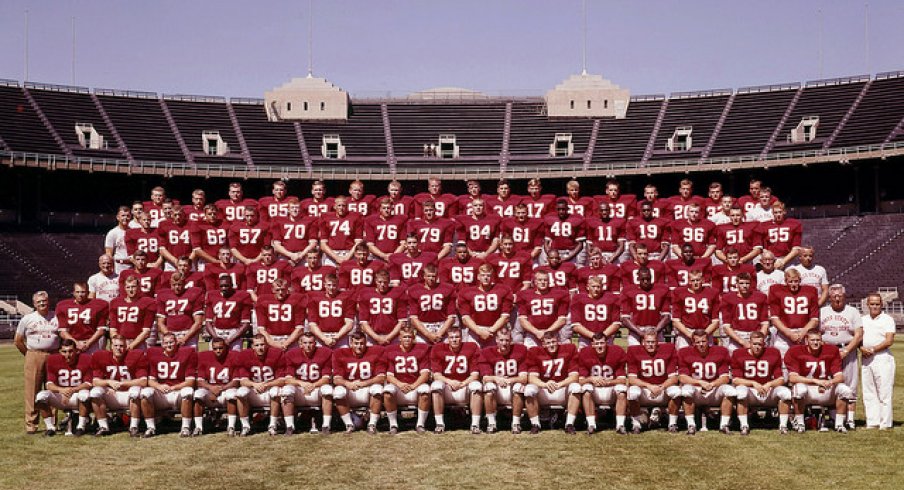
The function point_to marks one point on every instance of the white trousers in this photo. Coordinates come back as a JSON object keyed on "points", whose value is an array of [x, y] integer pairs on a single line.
{"points": [[878, 380]]}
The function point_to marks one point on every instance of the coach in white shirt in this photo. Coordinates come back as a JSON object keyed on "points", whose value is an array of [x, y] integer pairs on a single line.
{"points": [[878, 370], [115, 241], [105, 284], [842, 326], [36, 337]]}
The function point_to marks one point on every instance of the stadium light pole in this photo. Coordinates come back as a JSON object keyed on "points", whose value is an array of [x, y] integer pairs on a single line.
{"points": [[584, 50], [26, 45], [73, 49], [821, 47], [866, 36], [310, 38]]}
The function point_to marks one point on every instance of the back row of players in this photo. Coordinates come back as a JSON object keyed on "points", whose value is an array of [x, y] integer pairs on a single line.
{"points": [[534, 282]]}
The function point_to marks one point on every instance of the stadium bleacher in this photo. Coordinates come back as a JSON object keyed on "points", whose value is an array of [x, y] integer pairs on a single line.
{"points": [[753, 117], [142, 125]]}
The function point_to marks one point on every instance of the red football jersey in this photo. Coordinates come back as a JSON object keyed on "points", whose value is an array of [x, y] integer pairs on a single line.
{"points": [[66, 375], [446, 205], [650, 233], [527, 236], [542, 309], [609, 367], [235, 271], [249, 240], [404, 206], [695, 309], [216, 371], [662, 208], [583, 205], [824, 364], [154, 211], [133, 365], [179, 310], [270, 208], [148, 281], [562, 277], [744, 314], [794, 310], [131, 318], [455, 365], [407, 366], [195, 279], [566, 234], [711, 207], [362, 206], [315, 208], [453, 271], [280, 317], [645, 307], [623, 207], [680, 205], [464, 203], [628, 273], [494, 363], [678, 271], [653, 368], [228, 313], [540, 206], [512, 271], [176, 239], [761, 369], [310, 368], [553, 367], [341, 232], [431, 305], [82, 320], [780, 238], [478, 233], [485, 307], [259, 277], [139, 239], [294, 234], [407, 269], [311, 279], [743, 237], [698, 235], [595, 314], [382, 311], [175, 369], [353, 276], [234, 211], [605, 235], [259, 370], [726, 279], [502, 207], [209, 238], [705, 368], [348, 366], [433, 234], [330, 313], [749, 202], [609, 274], [385, 234]]}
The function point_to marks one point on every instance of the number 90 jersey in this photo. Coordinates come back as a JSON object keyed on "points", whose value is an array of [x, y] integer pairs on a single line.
{"points": [[705, 368], [172, 370], [653, 368]]}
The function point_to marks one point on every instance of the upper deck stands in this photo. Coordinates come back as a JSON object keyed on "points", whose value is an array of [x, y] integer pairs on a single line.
{"points": [[143, 127], [478, 128], [751, 122], [877, 115], [20, 127], [625, 140], [65, 109], [701, 113], [270, 143]]}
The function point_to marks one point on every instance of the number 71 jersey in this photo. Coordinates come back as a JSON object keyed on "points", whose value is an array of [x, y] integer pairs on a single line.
{"points": [[825, 364]]}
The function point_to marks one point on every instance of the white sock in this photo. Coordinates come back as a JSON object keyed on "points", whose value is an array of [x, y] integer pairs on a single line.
{"points": [[475, 420], [673, 419], [850, 416], [439, 419], [839, 420], [393, 418], [186, 422], [569, 419], [230, 420], [635, 422], [133, 422], [246, 422], [724, 421], [619, 421], [491, 418], [591, 420], [48, 423], [374, 418], [516, 420], [690, 421], [151, 423], [103, 424], [535, 420], [347, 419], [782, 420], [799, 418], [422, 417], [290, 421], [82, 422], [743, 420], [274, 421], [199, 422], [327, 420]]}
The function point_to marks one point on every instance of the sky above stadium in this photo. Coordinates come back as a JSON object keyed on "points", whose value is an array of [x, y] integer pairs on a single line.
{"points": [[377, 48]]}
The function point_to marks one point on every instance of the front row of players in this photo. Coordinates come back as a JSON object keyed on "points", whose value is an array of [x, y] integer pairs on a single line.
{"points": [[412, 374]]}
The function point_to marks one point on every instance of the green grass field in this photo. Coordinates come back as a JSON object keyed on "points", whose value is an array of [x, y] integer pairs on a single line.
{"points": [[862, 459]]}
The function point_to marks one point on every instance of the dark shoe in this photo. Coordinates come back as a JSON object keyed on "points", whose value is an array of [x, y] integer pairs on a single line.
{"points": [[534, 429], [101, 432], [569, 429]]}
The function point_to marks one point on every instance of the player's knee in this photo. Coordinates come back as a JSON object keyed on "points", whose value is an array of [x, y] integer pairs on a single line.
{"points": [[634, 393], [673, 392], [340, 392], [147, 393], [186, 392], [575, 389], [783, 393], [531, 390], [42, 396], [843, 391], [518, 388], [489, 387], [97, 392], [83, 396], [475, 387], [729, 391], [326, 390], [620, 389], [587, 388], [437, 386], [423, 389], [273, 392], [390, 389], [242, 392], [200, 394], [229, 394], [800, 390], [741, 392], [288, 391], [134, 393], [687, 391], [375, 390]]}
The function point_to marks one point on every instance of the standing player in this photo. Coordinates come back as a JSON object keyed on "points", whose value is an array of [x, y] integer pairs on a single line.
{"points": [[310, 276], [119, 374], [132, 316], [228, 313], [434, 232], [842, 326], [175, 238], [695, 231], [456, 378], [503, 369], [276, 205], [445, 204], [407, 379], [105, 284], [738, 234], [485, 308], [68, 384], [513, 267], [703, 374], [180, 311], [608, 273], [307, 371], [406, 268], [661, 208], [649, 231], [474, 193], [645, 306], [236, 207], [195, 212], [382, 310], [594, 312], [565, 232], [781, 236], [83, 320], [725, 275], [682, 202], [814, 371], [340, 232], [171, 379], [750, 201], [794, 311], [679, 269], [331, 314], [538, 204], [607, 234], [812, 274], [383, 231], [359, 372], [578, 204], [259, 276], [479, 230], [146, 239], [744, 312], [318, 203], [603, 380], [653, 380], [694, 308], [357, 274], [552, 377], [280, 316], [503, 204], [431, 306], [294, 235], [154, 207], [225, 266], [218, 383], [757, 375], [248, 237], [401, 204], [260, 369], [115, 240], [542, 310], [526, 232], [208, 236], [459, 268], [712, 203], [622, 206]]}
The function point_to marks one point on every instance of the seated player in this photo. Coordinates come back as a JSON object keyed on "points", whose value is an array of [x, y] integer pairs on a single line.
{"points": [[306, 383], [653, 380], [703, 374], [603, 380], [694, 308], [456, 378], [645, 307], [542, 310], [552, 380], [280, 317], [407, 379], [743, 312], [83, 320], [757, 375], [67, 387], [331, 314], [259, 370], [228, 314], [217, 384], [485, 308], [172, 370], [816, 378], [382, 310], [359, 372], [119, 375], [431, 306], [180, 311], [594, 312], [503, 368]]}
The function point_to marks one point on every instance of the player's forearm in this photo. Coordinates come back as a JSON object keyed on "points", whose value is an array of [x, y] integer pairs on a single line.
{"points": [[618, 251], [713, 326], [708, 252], [581, 330], [730, 332], [238, 256], [293, 337], [629, 324], [445, 251], [681, 328], [689, 380], [210, 259], [663, 321], [557, 325], [500, 322], [378, 379], [172, 259]]}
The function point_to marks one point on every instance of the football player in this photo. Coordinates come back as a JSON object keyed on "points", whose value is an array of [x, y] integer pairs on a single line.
{"points": [[744, 312], [816, 377], [307, 372], [485, 308], [248, 236], [594, 312], [119, 375], [601, 367], [132, 315], [526, 232], [431, 306], [294, 235], [318, 204], [653, 380], [695, 231], [281, 316], [259, 372], [608, 233], [703, 374], [359, 373], [645, 306], [503, 368], [83, 320], [407, 379], [68, 385], [217, 384], [649, 230], [172, 370], [331, 314], [565, 232], [228, 313], [456, 378], [794, 311], [542, 310], [694, 308], [552, 377], [235, 208], [405, 268], [503, 204], [479, 230], [757, 375], [383, 232], [180, 311], [340, 232], [382, 310], [435, 232]]}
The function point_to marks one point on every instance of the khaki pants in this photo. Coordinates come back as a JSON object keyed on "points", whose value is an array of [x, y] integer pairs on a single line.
{"points": [[34, 381]]}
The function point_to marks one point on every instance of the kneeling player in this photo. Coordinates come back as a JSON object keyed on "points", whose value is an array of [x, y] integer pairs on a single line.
{"points": [[603, 380], [259, 369], [119, 376], [703, 373], [307, 373], [407, 378], [653, 380], [68, 386], [816, 376], [217, 385], [456, 376], [552, 376], [171, 381], [758, 379], [359, 372], [504, 370]]}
